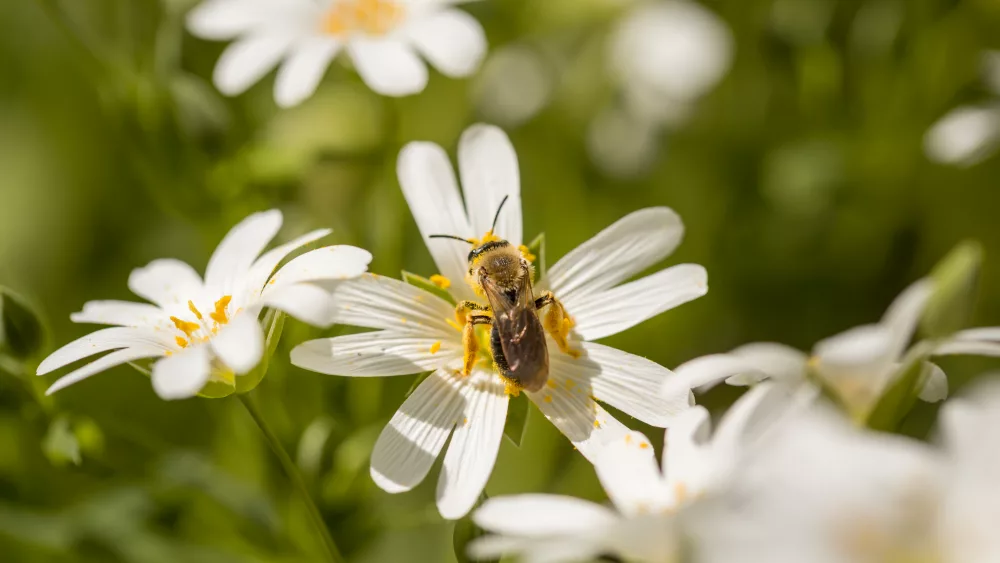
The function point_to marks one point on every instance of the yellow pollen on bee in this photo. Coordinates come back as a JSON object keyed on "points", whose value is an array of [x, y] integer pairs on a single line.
{"points": [[373, 17], [194, 310], [488, 237], [184, 326], [181, 342], [511, 389], [548, 399], [435, 347], [526, 253], [440, 281], [219, 315]]}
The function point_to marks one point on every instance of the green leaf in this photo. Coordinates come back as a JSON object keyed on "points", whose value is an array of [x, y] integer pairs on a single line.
{"points": [[60, 444], [427, 285], [956, 280], [274, 320], [517, 419], [22, 334], [900, 397], [465, 532], [537, 247]]}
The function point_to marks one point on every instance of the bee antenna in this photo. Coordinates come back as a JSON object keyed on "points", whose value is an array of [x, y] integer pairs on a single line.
{"points": [[453, 237], [497, 216]]}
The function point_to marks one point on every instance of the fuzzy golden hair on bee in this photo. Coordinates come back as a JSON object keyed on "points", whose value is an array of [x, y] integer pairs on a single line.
{"points": [[499, 260]]}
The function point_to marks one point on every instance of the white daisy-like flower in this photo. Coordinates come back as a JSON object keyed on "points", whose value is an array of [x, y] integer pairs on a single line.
{"points": [[384, 38], [417, 332], [208, 330], [821, 490], [859, 364], [650, 505]]}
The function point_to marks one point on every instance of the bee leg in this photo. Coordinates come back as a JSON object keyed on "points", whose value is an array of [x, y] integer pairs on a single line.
{"points": [[470, 344], [464, 308], [557, 322]]}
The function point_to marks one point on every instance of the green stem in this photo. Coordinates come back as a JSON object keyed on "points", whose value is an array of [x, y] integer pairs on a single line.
{"points": [[295, 477]]}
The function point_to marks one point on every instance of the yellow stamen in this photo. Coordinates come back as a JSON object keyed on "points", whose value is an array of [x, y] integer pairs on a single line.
{"points": [[194, 310], [526, 253], [548, 399], [185, 326], [643, 445], [465, 422], [551, 384], [220, 316], [402, 320], [441, 281], [570, 384], [680, 491], [597, 424], [181, 342], [435, 347], [374, 17], [628, 438], [454, 325]]}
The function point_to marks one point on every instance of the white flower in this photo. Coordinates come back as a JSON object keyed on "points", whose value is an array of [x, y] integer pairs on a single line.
{"points": [[650, 505], [968, 135], [208, 330], [859, 364], [820, 490], [382, 37], [416, 330]]}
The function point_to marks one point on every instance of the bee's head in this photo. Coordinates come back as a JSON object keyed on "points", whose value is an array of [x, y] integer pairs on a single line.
{"points": [[498, 260]]}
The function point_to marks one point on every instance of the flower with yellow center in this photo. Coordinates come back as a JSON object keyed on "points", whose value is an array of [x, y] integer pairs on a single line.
{"points": [[650, 505], [208, 330], [385, 39], [417, 329]]}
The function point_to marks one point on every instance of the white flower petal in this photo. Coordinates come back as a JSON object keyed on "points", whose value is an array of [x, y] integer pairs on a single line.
{"points": [[629, 383], [452, 40], [374, 301], [375, 354], [859, 347], [968, 348], [183, 374], [980, 333], [247, 60], [629, 246], [102, 341], [262, 269], [763, 360], [567, 402], [609, 312], [328, 263], [935, 387], [629, 474], [307, 303], [240, 344], [429, 186], [166, 282], [473, 450], [388, 66], [488, 165], [302, 72], [753, 413], [103, 363], [409, 444], [541, 516], [226, 19], [963, 137], [904, 313], [238, 251], [121, 313]]}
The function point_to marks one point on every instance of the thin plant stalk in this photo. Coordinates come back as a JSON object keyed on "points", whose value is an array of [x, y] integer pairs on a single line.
{"points": [[333, 553]]}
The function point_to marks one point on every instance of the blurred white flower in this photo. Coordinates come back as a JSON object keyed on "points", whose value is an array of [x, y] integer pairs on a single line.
{"points": [[818, 489], [207, 330], [650, 504], [417, 331], [968, 135], [859, 364], [515, 84], [382, 37]]}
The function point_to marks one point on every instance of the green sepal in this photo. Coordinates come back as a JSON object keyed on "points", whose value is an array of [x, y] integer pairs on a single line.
{"points": [[427, 285], [69, 438], [956, 280], [466, 532], [22, 334], [517, 419], [901, 395], [216, 389], [274, 320], [537, 247]]}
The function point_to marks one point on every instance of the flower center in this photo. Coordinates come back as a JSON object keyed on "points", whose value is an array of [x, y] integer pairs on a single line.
{"points": [[202, 330], [371, 17]]}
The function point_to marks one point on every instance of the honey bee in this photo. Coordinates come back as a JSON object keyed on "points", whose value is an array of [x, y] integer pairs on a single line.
{"points": [[500, 272]]}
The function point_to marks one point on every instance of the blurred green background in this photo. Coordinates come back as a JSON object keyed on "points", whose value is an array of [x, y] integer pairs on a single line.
{"points": [[801, 179]]}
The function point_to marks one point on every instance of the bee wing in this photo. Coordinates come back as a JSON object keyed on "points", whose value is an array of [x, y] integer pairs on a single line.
{"points": [[522, 338]]}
